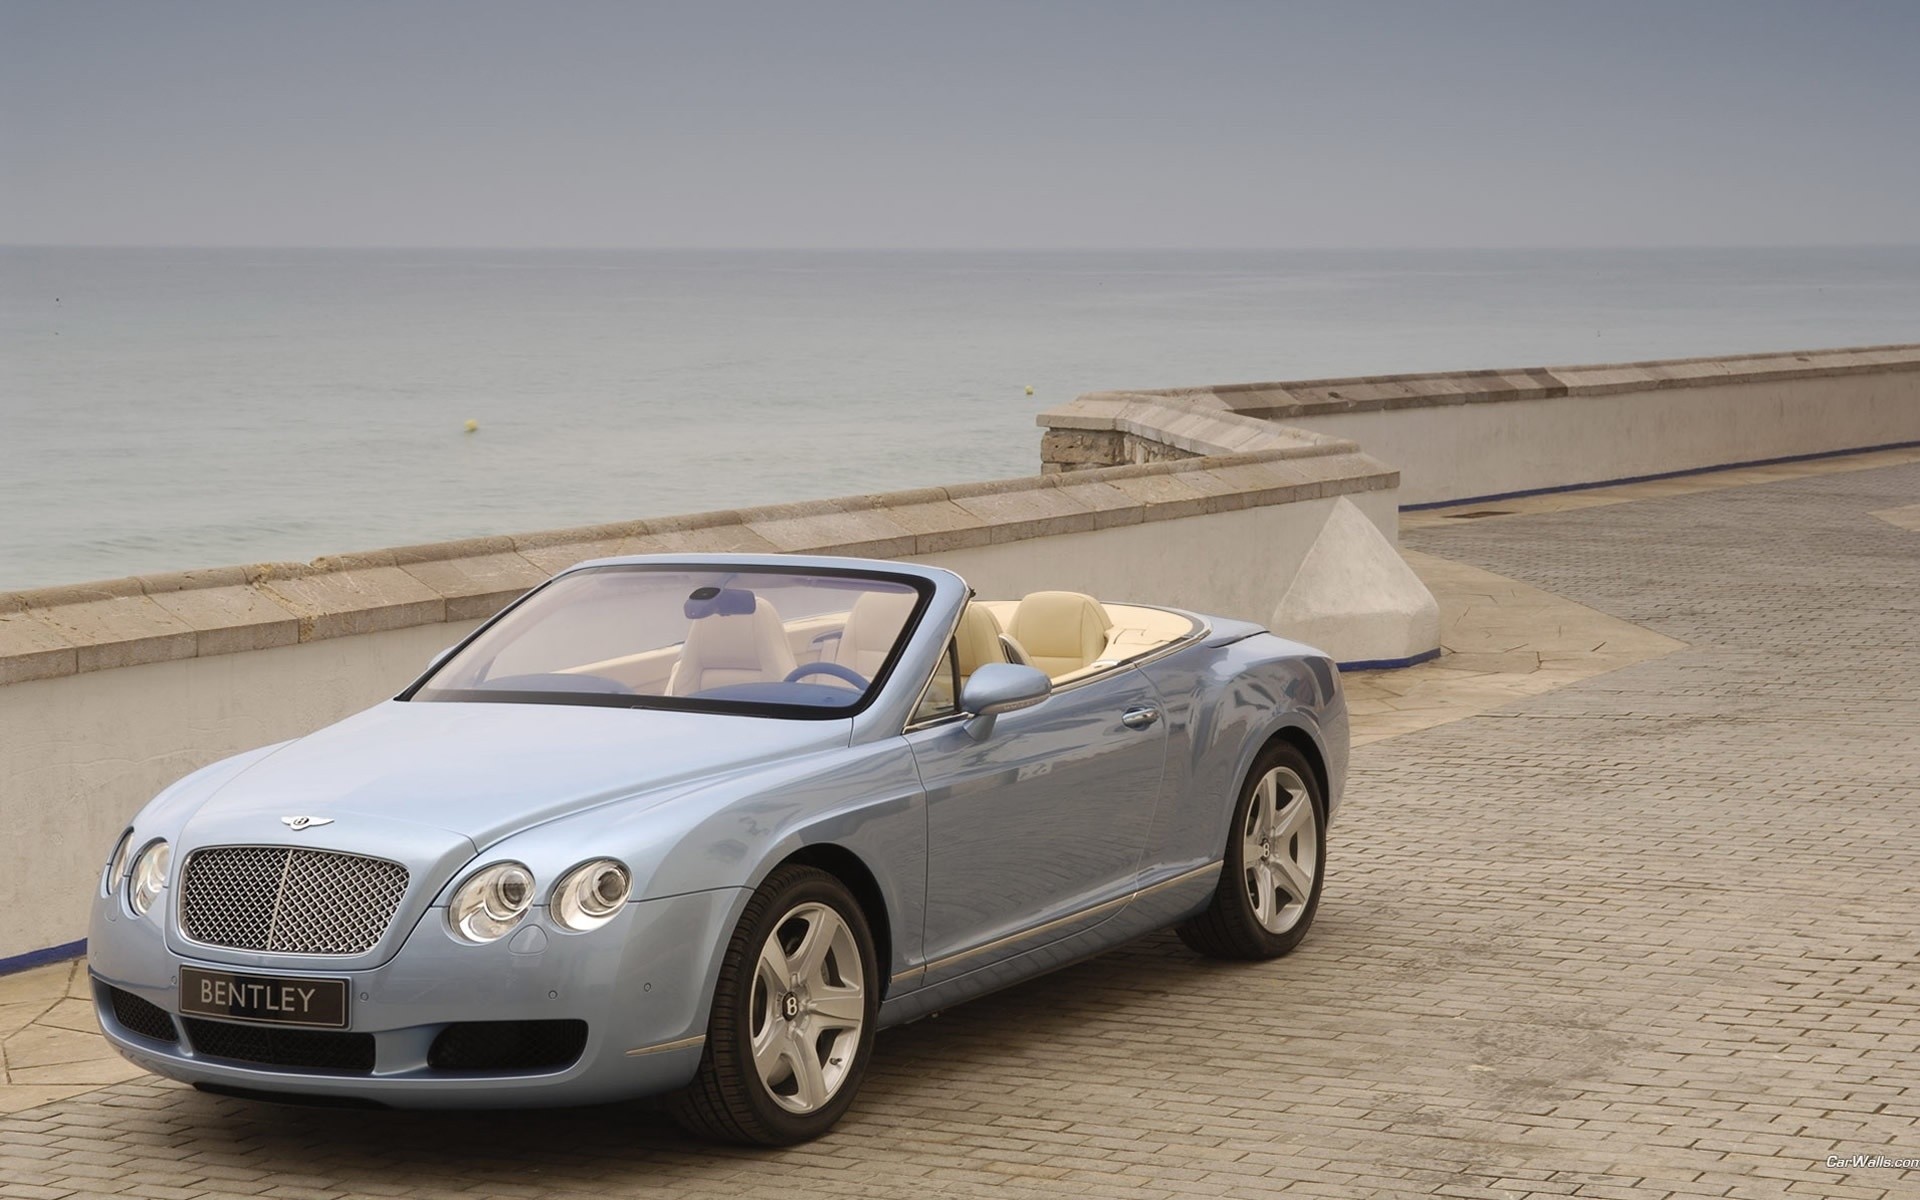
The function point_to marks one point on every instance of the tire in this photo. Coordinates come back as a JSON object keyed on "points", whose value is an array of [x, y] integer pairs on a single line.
{"points": [[825, 1003], [1235, 925]]}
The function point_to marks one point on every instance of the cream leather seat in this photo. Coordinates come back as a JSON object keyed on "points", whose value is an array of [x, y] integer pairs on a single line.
{"points": [[872, 628], [977, 640], [1061, 632], [724, 649], [976, 643]]}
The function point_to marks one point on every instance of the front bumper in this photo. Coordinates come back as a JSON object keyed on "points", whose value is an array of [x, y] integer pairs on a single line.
{"points": [[643, 985]]}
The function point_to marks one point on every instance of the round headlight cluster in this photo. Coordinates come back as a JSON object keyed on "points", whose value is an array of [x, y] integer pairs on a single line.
{"points": [[149, 877], [588, 896], [117, 863], [491, 902]]}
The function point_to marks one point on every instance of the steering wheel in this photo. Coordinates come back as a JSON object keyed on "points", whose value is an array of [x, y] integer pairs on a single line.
{"points": [[839, 672]]}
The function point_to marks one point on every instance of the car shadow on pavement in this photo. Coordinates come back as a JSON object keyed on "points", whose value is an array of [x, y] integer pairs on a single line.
{"points": [[925, 1077]]}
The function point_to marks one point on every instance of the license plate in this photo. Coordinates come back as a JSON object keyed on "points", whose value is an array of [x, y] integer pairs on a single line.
{"points": [[272, 999]]}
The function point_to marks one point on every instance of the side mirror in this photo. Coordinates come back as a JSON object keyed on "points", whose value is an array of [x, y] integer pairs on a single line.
{"points": [[1001, 687], [433, 664]]}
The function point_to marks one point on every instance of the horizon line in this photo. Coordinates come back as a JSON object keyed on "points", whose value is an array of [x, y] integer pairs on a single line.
{"points": [[983, 249]]}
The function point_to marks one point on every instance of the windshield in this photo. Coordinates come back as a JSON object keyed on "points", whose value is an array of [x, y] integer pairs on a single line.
{"points": [[764, 641]]}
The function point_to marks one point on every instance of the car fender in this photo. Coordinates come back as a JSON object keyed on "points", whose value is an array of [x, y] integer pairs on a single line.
{"points": [[1230, 701], [732, 833]]}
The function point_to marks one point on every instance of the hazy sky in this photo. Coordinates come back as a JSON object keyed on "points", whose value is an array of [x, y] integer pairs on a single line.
{"points": [[961, 123]]}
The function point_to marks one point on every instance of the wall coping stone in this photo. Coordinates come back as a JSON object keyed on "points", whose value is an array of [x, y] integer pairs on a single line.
{"points": [[1369, 393], [1240, 462]]}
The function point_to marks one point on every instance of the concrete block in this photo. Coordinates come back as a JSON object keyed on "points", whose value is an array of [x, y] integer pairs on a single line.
{"points": [[125, 631], [1162, 497], [1258, 483], [582, 535], [941, 524], [869, 533], [228, 620], [477, 587], [554, 557], [344, 603], [440, 551], [1355, 597], [32, 649], [1030, 512], [707, 539], [183, 581], [1109, 505]]}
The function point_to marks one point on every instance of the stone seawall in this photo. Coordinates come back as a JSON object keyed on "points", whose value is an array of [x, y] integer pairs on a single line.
{"points": [[1484, 434]]}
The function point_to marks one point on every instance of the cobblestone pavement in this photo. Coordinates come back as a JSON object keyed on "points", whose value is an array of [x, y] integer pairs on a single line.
{"points": [[1649, 933]]}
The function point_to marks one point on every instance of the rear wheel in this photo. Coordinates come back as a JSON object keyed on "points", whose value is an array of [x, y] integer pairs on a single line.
{"points": [[1276, 849], [793, 1016]]}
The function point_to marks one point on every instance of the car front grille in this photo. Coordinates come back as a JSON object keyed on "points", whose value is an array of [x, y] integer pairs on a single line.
{"points": [[311, 1049], [289, 900]]}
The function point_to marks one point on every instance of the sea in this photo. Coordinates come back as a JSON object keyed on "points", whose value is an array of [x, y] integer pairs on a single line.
{"points": [[163, 409]]}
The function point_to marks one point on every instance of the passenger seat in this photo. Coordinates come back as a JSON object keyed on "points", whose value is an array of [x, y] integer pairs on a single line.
{"points": [[1061, 632], [872, 628]]}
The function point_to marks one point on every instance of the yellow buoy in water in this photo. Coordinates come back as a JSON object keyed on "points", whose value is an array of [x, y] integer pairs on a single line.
{"points": [[473, 427], [1029, 389]]}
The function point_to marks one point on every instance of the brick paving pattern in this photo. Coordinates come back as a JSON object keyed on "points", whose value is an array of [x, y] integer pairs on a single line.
{"points": [[1652, 933]]}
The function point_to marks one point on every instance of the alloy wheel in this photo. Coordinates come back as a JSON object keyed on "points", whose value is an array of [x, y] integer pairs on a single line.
{"points": [[808, 1008], [1280, 849]]}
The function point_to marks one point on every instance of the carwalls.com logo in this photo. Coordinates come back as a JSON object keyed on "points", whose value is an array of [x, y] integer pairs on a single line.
{"points": [[1854, 1162]]}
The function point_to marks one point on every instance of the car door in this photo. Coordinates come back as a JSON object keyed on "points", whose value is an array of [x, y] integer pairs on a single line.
{"points": [[1040, 822]]}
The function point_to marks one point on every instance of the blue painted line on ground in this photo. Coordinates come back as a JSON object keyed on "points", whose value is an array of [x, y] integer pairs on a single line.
{"points": [[1625, 479], [1389, 664], [40, 958]]}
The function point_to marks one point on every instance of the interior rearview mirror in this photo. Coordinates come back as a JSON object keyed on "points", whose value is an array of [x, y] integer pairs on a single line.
{"points": [[1001, 687]]}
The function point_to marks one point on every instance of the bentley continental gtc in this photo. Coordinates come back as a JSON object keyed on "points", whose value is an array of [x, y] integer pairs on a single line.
{"points": [[698, 827]]}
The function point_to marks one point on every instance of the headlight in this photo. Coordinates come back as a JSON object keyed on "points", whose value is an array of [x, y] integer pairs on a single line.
{"points": [[588, 896], [117, 862], [491, 902], [149, 877]]}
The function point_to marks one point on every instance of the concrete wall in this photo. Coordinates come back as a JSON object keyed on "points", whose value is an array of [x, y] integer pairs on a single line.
{"points": [[111, 691], [1466, 435], [83, 752]]}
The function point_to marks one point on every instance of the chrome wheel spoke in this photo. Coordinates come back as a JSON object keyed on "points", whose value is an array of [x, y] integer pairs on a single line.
{"points": [[770, 1052], [810, 1084], [809, 958], [1295, 817], [839, 1008], [1293, 878], [1263, 894], [1265, 800], [775, 969]]}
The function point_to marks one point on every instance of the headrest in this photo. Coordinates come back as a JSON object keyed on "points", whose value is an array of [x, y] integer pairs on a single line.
{"points": [[1061, 624], [719, 602]]}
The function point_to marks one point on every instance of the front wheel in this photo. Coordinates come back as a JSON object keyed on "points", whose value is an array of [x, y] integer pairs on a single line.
{"points": [[1276, 849], [793, 1016]]}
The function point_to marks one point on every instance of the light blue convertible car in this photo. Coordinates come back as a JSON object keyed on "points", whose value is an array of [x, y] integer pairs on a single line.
{"points": [[700, 826]]}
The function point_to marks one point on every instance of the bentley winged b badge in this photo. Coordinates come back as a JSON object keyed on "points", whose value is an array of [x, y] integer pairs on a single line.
{"points": [[298, 823]]}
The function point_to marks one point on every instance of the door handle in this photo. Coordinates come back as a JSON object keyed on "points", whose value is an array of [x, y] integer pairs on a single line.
{"points": [[1139, 718]]}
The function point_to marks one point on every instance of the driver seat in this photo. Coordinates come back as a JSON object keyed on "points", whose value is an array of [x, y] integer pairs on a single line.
{"points": [[724, 648]]}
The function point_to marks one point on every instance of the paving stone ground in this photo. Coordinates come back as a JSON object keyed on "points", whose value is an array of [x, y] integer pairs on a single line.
{"points": [[1650, 933]]}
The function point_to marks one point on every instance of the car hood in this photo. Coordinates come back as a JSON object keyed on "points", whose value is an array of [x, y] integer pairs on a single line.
{"points": [[484, 771]]}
